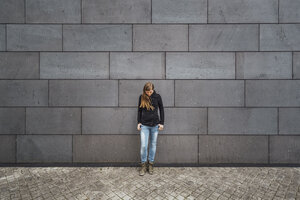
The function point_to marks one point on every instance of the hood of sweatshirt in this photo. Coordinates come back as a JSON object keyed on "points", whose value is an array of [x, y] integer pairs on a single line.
{"points": [[153, 94]]}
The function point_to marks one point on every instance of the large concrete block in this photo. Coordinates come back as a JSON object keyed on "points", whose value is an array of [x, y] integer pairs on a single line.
{"points": [[177, 149], [242, 121], [185, 121], [264, 65], [130, 90], [280, 37], [233, 149], [158, 37], [53, 120], [89, 37], [270, 93], [23, 92], [170, 11], [74, 65], [289, 11], [7, 148], [12, 120], [285, 149], [12, 11], [289, 121], [19, 65], [2, 38], [109, 121], [200, 65], [137, 65], [83, 92], [54, 11], [232, 11], [44, 148], [296, 65], [106, 148], [34, 37], [209, 93], [223, 37], [118, 11]]}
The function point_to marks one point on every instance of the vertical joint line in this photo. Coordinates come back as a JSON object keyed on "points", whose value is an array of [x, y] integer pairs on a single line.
{"points": [[25, 11], [81, 12], [244, 93], [207, 121], [16, 149], [235, 64], [132, 37], [174, 94], [25, 120], [188, 37], [62, 37], [118, 93], [151, 12], [48, 92], [207, 11], [258, 37], [109, 65], [6, 37], [165, 54], [278, 10], [277, 120], [72, 149], [268, 149], [40, 65], [198, 149], [292, 65], [81, 120]]}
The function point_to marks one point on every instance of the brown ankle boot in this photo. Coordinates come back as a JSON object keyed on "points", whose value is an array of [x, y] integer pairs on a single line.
{"points": [[143, 169], [150, 167]]}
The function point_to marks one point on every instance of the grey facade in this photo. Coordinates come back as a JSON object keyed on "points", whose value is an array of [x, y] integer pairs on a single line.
{"points": [[228, 72]]}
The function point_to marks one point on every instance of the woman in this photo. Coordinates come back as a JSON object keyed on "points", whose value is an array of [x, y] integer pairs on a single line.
{"points": [[149, 124]]}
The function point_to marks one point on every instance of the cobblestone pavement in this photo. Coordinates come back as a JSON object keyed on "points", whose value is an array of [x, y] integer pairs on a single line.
{"points": [[166, 183]]}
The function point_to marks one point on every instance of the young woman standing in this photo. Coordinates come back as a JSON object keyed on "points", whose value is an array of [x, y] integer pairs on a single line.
{"points": [[148, 124]]}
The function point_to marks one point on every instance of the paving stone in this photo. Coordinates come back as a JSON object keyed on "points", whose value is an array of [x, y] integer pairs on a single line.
{"points": [[19, 65], [55, 11], [34, 37], [279, 37], [264, 65], [74, 65], [12, 11], [160, 37], [232, 11], [223, 37], [289, 11], [117, 11], [170, 11], [105, 37]]}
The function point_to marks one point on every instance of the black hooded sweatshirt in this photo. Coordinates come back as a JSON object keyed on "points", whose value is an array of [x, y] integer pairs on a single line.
{"points": [[150, 117]]}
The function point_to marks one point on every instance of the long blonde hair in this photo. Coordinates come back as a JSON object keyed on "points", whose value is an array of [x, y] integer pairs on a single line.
{"points": [[145, 99]]}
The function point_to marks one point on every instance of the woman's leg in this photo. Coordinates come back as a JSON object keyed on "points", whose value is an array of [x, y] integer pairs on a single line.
{"points": [[153, 141], [144, 143]]}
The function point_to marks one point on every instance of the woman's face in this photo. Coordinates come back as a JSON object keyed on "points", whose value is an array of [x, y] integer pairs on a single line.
{"points": [[149, 92]]}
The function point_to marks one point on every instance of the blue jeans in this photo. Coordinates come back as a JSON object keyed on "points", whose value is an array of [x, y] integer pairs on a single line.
{"points": [[145, 132]]}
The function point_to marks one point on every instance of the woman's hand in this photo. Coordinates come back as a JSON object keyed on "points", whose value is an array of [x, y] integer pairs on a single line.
{"points": [[139, 126], [160, 127]]}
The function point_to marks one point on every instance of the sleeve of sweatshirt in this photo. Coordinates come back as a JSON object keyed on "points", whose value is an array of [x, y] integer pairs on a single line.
{"points": [[161, 110], [139, 115]]}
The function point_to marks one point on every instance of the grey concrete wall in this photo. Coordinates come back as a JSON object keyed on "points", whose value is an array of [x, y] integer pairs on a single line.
{"points": [[228, 72]]}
